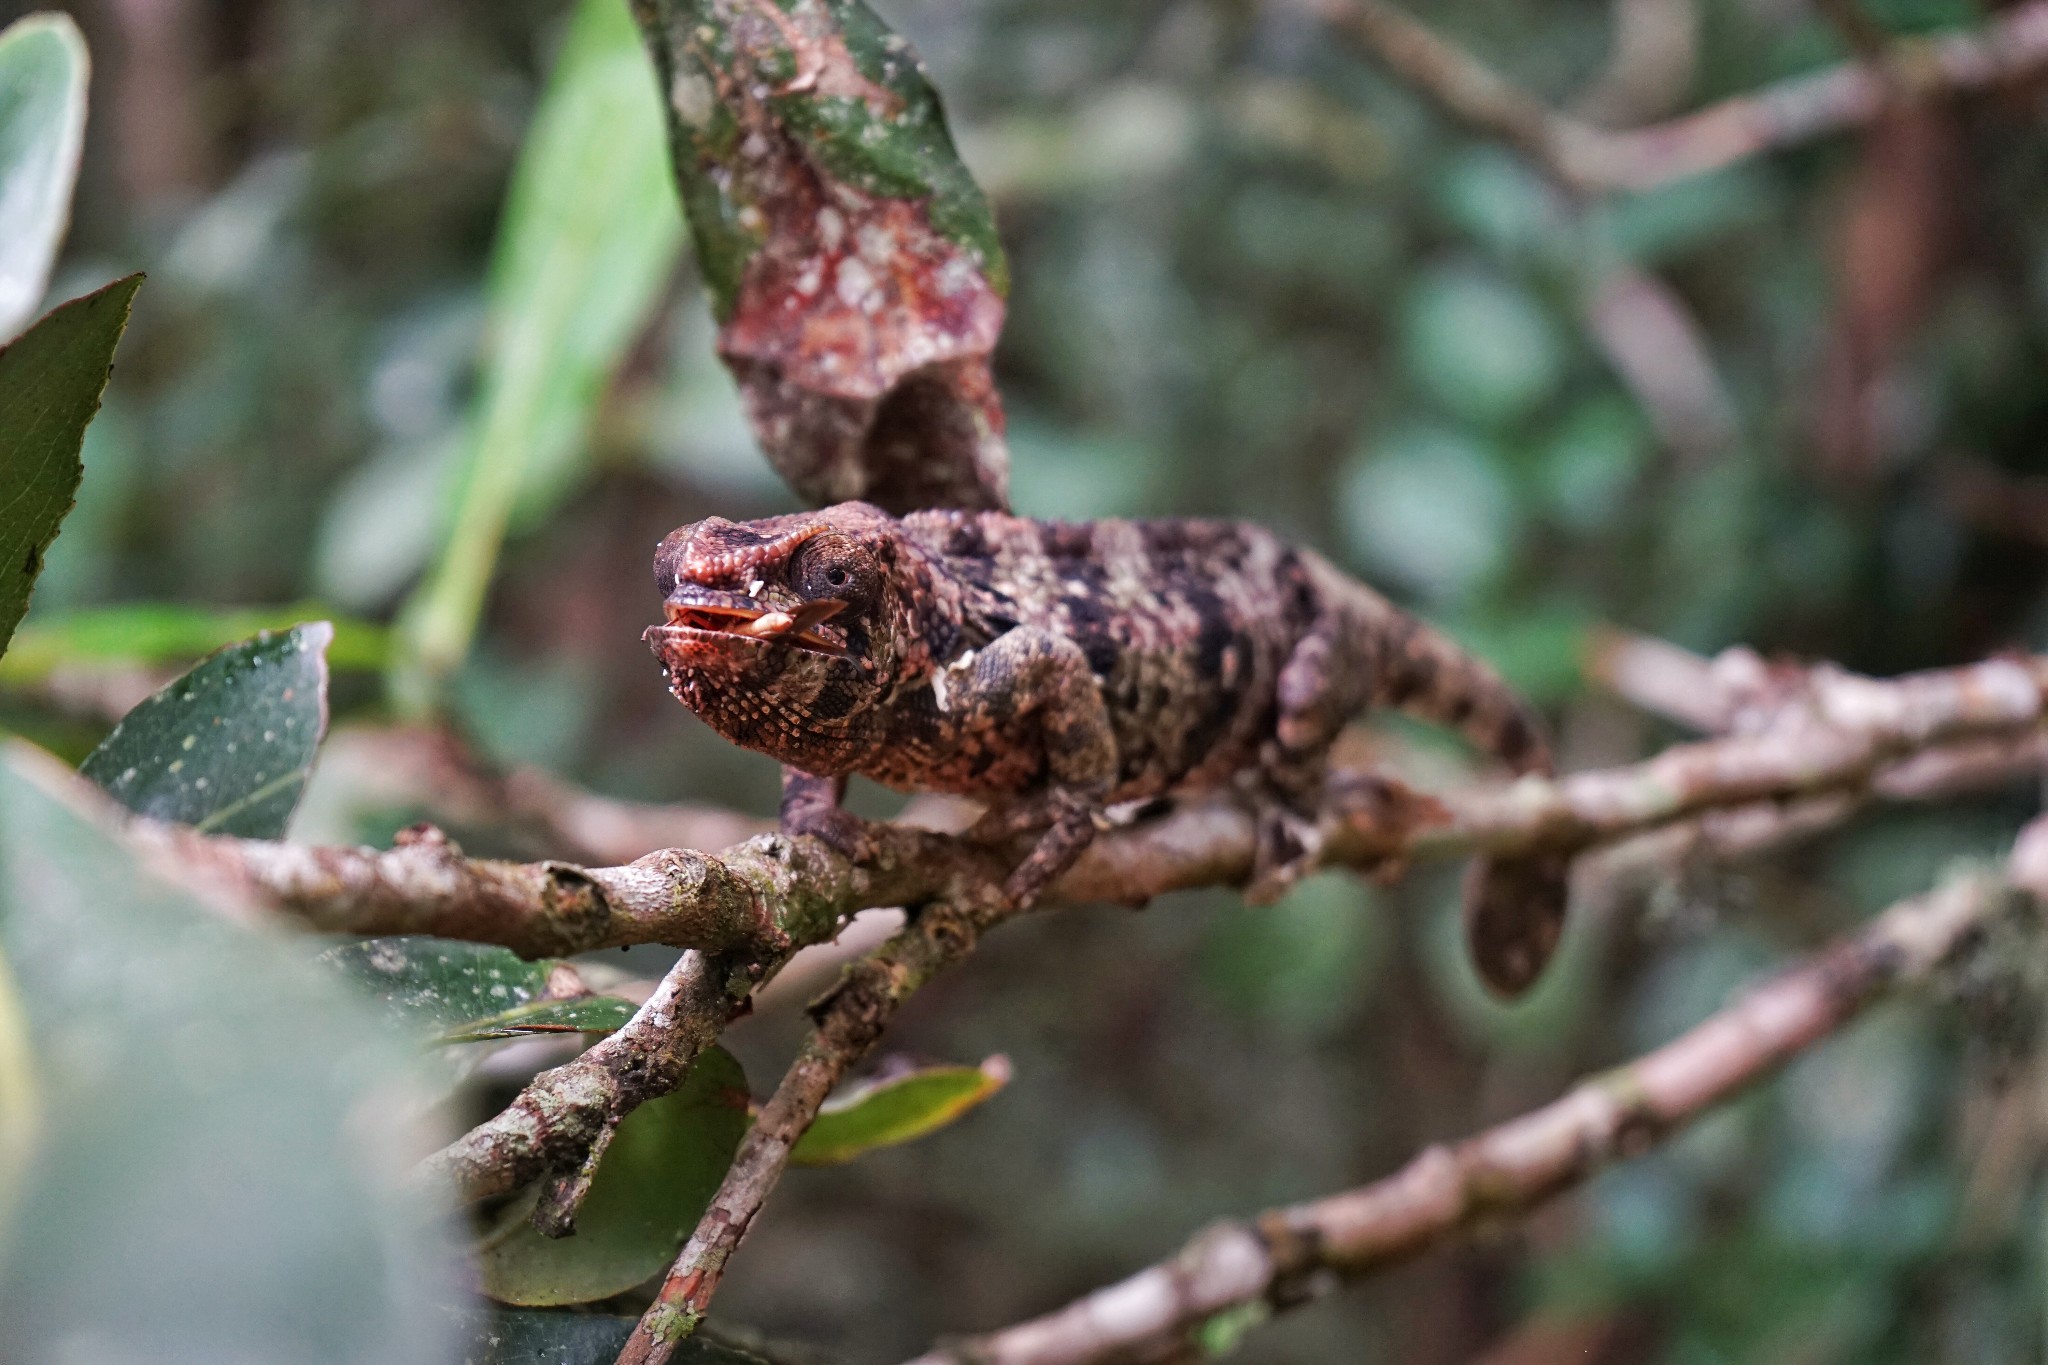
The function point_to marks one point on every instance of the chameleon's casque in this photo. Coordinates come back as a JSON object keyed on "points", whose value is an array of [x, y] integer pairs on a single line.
{"points": [[1076, 664]]}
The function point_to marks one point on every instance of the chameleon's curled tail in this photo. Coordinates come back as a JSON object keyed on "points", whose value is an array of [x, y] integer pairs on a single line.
{"points": [[1515, 904]]}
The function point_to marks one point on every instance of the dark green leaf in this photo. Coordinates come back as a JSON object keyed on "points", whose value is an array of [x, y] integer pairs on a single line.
{"points": [[527, 1336], [170, 632], [227, 748], [51, 378], [589, 1014], [43, 70], [434, 986], [894, 1109], [660, 1171], [224, 1134]]}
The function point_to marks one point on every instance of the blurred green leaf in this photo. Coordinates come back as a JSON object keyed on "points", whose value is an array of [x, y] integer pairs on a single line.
{"points": [[1431, 508], [651, 1186], [21, 1103], [1588, 466], [1479, 345], [589, 235], [51, 378], [1305, 965], [527, 1336], [1661, 225], [167, 632], [1538, 648], [434, 985], [895, 1109], [226, 1135], [584, 1014], [227, 748], [43, 74]]}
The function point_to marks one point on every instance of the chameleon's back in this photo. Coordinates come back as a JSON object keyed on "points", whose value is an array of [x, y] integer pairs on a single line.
{"points": [[1188, 626], [1185, 624]]}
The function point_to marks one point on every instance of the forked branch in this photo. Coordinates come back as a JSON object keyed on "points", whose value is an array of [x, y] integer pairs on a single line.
{"points": [[1287, 1256], [2005, 49]]}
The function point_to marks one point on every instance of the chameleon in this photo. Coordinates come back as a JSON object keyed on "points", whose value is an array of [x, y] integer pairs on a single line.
{"points": [[1062, 671]]}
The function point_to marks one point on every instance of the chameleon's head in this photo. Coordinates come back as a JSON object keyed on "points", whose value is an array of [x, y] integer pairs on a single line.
{"points": [[782, 633]]}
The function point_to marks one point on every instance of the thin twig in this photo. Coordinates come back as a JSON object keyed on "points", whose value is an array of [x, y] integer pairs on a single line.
{"points": [[2007, 48], [850, 1021], [1287, 1256], [555, 1121]]}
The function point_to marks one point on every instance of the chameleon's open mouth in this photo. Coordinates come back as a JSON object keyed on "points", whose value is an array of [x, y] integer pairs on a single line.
{"points": [[729, 614]]}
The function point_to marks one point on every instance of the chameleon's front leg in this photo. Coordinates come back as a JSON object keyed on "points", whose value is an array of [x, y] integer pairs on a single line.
{"points": [[1032, 674], [811, 805]]}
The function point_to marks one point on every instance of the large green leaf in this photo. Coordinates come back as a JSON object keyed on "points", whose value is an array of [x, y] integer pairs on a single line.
{"points": [[43, 72], [228, 747], [651, 1186], [170, 632], [898, 1108], [590, 234], [449, 991], [220, 1172], [528, 1336], [51, 378]]}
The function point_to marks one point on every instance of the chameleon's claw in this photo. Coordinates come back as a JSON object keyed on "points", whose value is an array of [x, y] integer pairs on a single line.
{"points": [[1285, 846]]}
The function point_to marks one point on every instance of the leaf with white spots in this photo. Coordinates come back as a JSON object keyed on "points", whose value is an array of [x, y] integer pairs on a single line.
{"points": [[447, 991], [227, 748]]}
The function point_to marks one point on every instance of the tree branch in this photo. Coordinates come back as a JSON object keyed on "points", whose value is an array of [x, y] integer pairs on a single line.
{"points": [[2008, 47], [1830, 741], [850, 1020], [1287, 1256]]}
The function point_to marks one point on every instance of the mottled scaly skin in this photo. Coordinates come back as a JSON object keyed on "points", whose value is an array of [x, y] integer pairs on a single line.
{"points": [[1055, 668]]}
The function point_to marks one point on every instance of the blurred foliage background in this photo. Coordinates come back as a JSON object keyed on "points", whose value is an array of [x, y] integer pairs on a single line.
{"points": [[413, 351]]}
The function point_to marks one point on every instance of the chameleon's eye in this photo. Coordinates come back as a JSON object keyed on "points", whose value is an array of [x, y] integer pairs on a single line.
{"points": [[833, 566]]}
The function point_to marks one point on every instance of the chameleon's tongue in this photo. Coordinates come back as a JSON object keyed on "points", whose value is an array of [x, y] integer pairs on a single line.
{"points": [[773, 623]]}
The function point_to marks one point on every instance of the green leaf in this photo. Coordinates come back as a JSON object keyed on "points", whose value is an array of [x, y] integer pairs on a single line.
{"points": [[586, 1014], [227, 748], [895, 1109], [527, 1336], [43, 73], [651, 1186], [1431, 508], [1481, 346], [51, 378], [590, 234], [169, 632], [448, 991], [226, 1135]]}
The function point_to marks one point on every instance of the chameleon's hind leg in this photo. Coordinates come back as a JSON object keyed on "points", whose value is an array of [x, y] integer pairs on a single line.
{"points": [[1033, 673], [1315, 697]]}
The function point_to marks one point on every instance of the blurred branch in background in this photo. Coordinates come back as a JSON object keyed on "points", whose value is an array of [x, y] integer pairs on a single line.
{"points": [[2011, 45], [1236, 1274]]}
